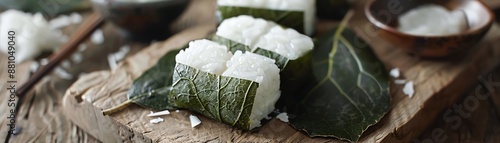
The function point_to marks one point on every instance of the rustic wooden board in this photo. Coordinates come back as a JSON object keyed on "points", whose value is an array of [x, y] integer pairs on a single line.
{"points": [[480, 123], [40, 116], [438, 85]]}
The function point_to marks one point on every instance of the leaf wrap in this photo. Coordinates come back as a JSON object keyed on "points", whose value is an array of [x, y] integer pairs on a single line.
{"points": [[350, 92], [226, 99], [294, 75], [151, 89]]}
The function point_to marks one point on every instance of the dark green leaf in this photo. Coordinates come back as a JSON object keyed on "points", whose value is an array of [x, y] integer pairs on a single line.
{"points": [[291, 19], [151, 89], [294, 75], [281, 61], [350, 92], [230, 44], [226, 99]]}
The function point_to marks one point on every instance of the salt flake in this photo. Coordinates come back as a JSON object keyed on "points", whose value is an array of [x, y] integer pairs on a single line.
{"points": [[161, 113], [156, 121], [97, 37], [395, 73], [399, 81], [408, 89], [283, 117], [195, 121]]}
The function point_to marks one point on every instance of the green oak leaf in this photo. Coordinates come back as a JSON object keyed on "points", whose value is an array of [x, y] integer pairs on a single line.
{"points": [[232, 46], [350, 91], [226, 99], [152, 88], [291, 19], [294, 75]]}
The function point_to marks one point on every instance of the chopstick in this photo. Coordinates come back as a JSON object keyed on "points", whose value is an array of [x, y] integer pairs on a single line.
{"points": [[82, 33]]}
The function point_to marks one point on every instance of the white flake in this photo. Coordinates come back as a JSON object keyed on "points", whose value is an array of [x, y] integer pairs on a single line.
{"points": [[34, 66], [97, 37], [399, 81], [82, 47], [195, 121], [77, 57], [395, 73], [112, 62], [66, 64], [156, 121], [44, 61], [283, 117], [408, 89], [62, 73], [161, 113]]}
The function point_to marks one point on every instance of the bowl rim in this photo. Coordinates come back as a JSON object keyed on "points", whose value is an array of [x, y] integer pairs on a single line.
{"points": [[135, 1], [392, 29]]}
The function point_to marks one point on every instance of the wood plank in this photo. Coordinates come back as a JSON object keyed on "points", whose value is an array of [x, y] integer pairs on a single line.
{"points": [[480, 121], [438, 85]]}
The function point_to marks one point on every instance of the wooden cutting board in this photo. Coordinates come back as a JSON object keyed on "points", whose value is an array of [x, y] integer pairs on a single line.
{"points": [[438, 84]]}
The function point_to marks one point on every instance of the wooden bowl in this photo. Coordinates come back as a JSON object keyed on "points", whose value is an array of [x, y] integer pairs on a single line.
{"points": [[142, 20], [384, 15]]}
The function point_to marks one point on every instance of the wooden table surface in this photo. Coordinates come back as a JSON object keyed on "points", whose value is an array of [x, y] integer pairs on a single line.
{"points": [[41, 119]]}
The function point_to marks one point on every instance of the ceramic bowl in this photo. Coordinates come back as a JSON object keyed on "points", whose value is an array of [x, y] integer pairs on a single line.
{"points": [[142, 20], [384, 15]]}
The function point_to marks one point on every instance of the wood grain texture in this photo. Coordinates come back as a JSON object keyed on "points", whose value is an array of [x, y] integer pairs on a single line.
{"points": [[480, 120], [41, 117], [438, 85]]}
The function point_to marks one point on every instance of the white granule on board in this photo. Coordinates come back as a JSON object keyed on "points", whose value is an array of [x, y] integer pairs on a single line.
{"points": [[87, 97], [177, 111], [34, 66], [399, 81], [156, 121], [66, 64], [44, 61], [283, 117], [60, 72], [112, 62], [121, 53], [77, 57], [97, 37], [395, 73], [195, 121], [409, 89], [82, 47], [114, 58], [161, 113]]}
